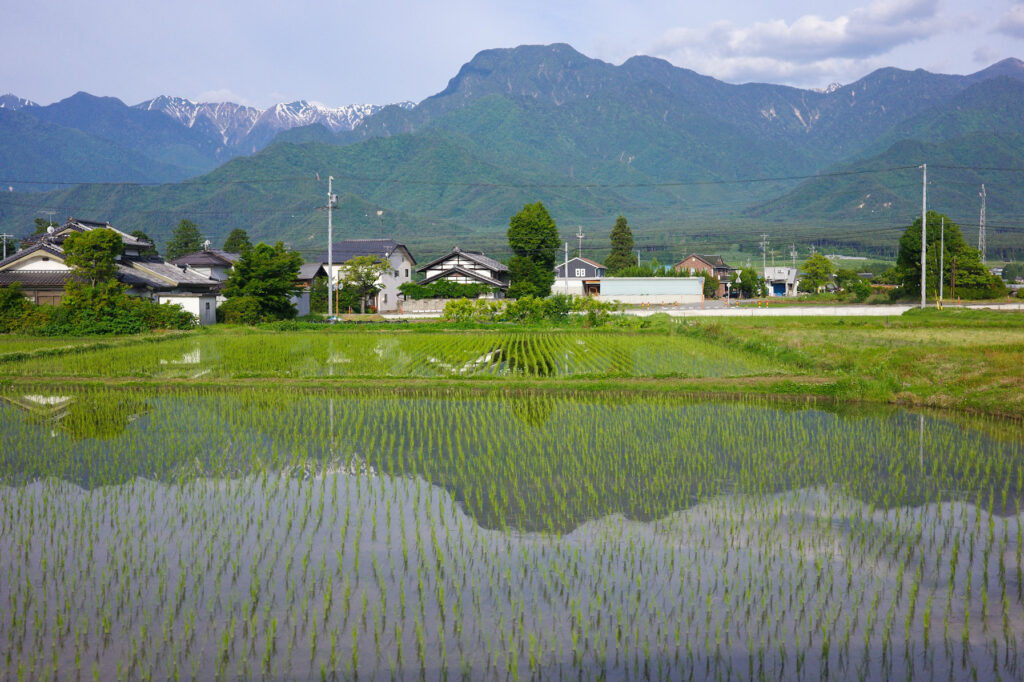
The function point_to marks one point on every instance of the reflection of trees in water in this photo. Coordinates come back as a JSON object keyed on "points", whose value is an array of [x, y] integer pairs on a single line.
{"points": [[529, 461]]}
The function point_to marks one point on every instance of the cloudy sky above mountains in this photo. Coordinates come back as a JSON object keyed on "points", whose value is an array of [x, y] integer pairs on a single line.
{"points": [[341, 52]]}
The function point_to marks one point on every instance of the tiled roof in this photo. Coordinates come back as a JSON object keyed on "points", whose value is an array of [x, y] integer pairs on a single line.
{"points": [[475, 256], [36, 278], [347, 249], [51, 249], [472, 274], [160, 271], [207, 258], [311, 270]]}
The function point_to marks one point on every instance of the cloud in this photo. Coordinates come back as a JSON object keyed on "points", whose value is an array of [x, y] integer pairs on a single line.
{"points": [[1012, 23], [804, 50]]}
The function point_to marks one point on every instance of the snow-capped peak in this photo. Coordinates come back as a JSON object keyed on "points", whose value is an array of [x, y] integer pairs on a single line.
{"points": [[13, 102], [236, 122]]}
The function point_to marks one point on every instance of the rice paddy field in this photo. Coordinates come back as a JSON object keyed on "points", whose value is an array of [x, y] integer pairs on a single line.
{"points": [[442, 506], [400, 354]]}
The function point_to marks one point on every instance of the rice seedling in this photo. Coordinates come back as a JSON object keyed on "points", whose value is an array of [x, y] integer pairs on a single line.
{"points": [[207, 532]]}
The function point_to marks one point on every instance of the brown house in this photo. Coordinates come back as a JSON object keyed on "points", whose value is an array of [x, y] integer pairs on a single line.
{"points": [[695, 263]]}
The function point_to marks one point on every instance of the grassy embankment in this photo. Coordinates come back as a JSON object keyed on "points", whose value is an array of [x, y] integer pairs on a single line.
{"points": [[960, 360]]}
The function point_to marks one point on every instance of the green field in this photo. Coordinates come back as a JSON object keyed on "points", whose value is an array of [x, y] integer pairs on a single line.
{"points": [[743, 498]]}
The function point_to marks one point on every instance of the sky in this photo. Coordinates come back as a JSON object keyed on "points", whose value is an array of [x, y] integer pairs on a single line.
{"points": [[339, 52]]}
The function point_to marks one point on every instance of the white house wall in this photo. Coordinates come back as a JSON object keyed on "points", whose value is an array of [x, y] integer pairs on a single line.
{"points": [[41, 262], [387, 299]]}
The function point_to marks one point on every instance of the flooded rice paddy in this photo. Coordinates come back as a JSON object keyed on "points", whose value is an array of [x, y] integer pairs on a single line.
{"points": [[268, 534], [465, 354]]}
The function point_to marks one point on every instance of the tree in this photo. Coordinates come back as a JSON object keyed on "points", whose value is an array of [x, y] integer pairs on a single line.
{"points": [[149, 251], [1013, 271], [710, 284], [361, 275], [817, 271], [263, 282], [533, 237], [748, 283], [962, 263], [93, 254], [41, 224], [622, 255], [237, 241], [184, 240]]}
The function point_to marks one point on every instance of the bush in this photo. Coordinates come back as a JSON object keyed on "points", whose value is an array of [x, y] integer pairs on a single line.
{"points": [[443, 289], [242, 310]]}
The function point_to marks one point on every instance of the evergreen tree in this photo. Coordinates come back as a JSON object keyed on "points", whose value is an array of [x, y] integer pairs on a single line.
{"points": [[961, 262], [237, 241], [261, 284], [184, 240], [533, 237], [149, 251], [622, 255], [93, 254]]}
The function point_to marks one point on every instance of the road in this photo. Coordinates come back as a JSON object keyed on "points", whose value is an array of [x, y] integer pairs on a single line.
{"points": [[718, 309]]}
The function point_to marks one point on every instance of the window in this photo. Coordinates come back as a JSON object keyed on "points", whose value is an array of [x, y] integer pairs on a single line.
{"points": [[407, 272], [385, 298], [207, 305], [581, 272]]}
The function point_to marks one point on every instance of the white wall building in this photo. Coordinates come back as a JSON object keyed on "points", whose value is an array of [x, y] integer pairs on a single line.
{"points": [[402, 264]]}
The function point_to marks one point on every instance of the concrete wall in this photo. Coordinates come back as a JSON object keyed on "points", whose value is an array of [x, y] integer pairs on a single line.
{"points": [[575, 287], [203, 306], [652, 290]]}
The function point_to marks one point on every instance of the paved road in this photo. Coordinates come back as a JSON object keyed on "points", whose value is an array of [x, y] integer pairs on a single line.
{"points": [[783, 310], [718, 309]]}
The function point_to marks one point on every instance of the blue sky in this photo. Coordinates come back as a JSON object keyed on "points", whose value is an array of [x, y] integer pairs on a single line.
{"points": [[341, 52]]}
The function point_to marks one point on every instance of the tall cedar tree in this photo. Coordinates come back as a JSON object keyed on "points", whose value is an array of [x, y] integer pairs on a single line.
{"points": [[622, 255], [533, 237], [184, 240], [972, 279], [265, 276], [237, 241]]}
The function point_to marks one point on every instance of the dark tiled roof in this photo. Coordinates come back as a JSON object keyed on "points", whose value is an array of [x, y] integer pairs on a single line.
{"points": [[347, 249], [160, 271], [36, 278], [475, 256], [207, 258], [38, 246], [472, 274], [312, 270]]}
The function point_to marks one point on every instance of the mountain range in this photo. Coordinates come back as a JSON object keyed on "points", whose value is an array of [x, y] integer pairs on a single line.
{"points": [[165, 139], [693, 162]]}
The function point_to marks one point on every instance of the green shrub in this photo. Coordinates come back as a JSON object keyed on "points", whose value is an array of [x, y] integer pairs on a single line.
{"points": [[443, 289]]}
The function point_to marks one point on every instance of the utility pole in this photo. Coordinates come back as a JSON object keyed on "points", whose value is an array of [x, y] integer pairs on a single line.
{"points": [[942, 255], [924, 225], [4, 237], [792, 252], [764, 255], [981, 227], [579, 237], [331, 198], [565, 269]]}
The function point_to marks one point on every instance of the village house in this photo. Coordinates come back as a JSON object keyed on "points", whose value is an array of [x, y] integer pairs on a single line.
{"points": [[584, 276], [467, 267], [396, 254], [696, 263], [781, 281], [42, 272]]}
